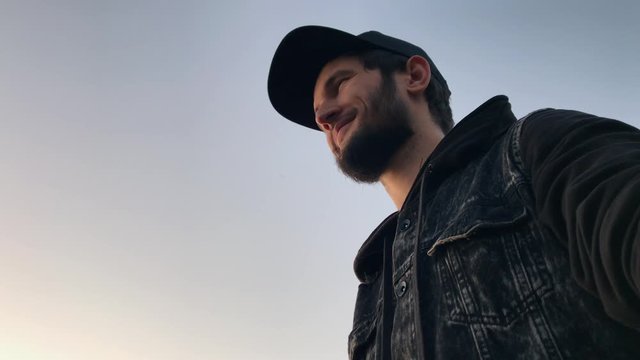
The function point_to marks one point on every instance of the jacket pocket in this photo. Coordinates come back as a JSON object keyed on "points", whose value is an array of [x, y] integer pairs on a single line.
{"points": [[491, 268]]}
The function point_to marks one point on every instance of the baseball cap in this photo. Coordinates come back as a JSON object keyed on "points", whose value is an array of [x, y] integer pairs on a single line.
{"points": [[303, 53]]}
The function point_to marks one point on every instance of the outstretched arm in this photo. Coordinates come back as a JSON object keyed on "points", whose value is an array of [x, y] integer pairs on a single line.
{"points": [[585, 172]]}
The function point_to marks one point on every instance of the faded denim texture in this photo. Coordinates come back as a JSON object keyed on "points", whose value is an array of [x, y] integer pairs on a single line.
{"points": [[466, 271]]}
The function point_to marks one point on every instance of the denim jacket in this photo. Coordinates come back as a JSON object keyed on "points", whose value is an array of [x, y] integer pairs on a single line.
{"points": [[465, 270]]}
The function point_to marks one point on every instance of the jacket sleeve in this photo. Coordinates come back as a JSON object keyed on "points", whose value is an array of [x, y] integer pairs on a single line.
{"points": [[585, 173]]}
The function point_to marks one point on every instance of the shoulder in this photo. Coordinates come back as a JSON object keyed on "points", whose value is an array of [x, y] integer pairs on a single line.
{"points": [[549, 131], [550, 123]]}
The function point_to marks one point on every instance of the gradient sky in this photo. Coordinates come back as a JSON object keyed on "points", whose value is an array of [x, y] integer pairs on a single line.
{"points": [[154, 206]]}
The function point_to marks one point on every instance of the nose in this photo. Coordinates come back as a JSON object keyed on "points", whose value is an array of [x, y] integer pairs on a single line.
{"points": [[326, 116]]}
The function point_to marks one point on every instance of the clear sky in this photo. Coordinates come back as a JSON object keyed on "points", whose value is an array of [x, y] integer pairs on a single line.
{"points": [[154, 206]]}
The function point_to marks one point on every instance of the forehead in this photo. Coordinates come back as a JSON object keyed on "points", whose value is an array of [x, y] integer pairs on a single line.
{"points": [[343, 62]]}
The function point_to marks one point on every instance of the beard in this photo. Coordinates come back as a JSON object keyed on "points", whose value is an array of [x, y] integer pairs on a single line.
{"points": [[372, 146]]}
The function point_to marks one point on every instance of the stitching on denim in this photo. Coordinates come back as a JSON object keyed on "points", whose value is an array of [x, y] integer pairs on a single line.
{"points": [[402, 269], [518, 309]]}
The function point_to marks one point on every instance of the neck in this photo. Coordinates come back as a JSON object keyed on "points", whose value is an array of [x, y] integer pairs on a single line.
{"points": [[406, 164]]}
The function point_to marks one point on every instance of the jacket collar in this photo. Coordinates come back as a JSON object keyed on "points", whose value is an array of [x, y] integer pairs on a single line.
{"points": [[368, 261], [470, 138]]}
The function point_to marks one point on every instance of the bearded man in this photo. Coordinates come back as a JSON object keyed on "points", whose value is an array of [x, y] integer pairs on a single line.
{"points": [[512, 239]]}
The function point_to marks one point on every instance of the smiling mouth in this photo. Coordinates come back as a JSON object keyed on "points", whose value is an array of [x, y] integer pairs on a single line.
{"points": [[341, 128]]}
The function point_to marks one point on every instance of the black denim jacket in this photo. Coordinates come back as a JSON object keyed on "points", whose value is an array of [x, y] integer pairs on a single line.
{"points": [[467, 270]]}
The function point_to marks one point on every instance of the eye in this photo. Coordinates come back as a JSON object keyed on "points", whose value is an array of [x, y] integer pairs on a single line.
{"points": [[340, 82]]}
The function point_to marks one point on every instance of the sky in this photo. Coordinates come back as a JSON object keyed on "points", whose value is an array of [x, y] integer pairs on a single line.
{"points": [[154, 206]]}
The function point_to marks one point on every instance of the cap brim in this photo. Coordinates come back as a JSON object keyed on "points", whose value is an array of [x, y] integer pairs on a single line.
{"points": [[296, 64]]}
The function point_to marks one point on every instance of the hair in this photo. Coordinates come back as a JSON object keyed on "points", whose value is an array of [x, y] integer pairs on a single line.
{"points": [[437, 94]]}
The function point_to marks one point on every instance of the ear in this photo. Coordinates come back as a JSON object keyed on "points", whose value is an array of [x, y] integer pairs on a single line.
{"points": [[419, 73]]}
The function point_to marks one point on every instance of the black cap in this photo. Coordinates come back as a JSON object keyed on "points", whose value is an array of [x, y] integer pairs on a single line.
{"points": [[306, 50]]}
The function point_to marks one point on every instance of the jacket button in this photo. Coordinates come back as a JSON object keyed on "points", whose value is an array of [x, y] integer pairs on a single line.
{"points": [[401, 288], [405, 224]]}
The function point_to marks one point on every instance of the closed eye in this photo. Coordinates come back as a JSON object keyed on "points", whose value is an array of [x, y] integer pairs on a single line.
{"points": [[336, 80], [342, 81]]}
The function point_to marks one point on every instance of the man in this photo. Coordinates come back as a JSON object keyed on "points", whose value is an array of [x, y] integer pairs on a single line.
{"points": [[513, 239]]}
